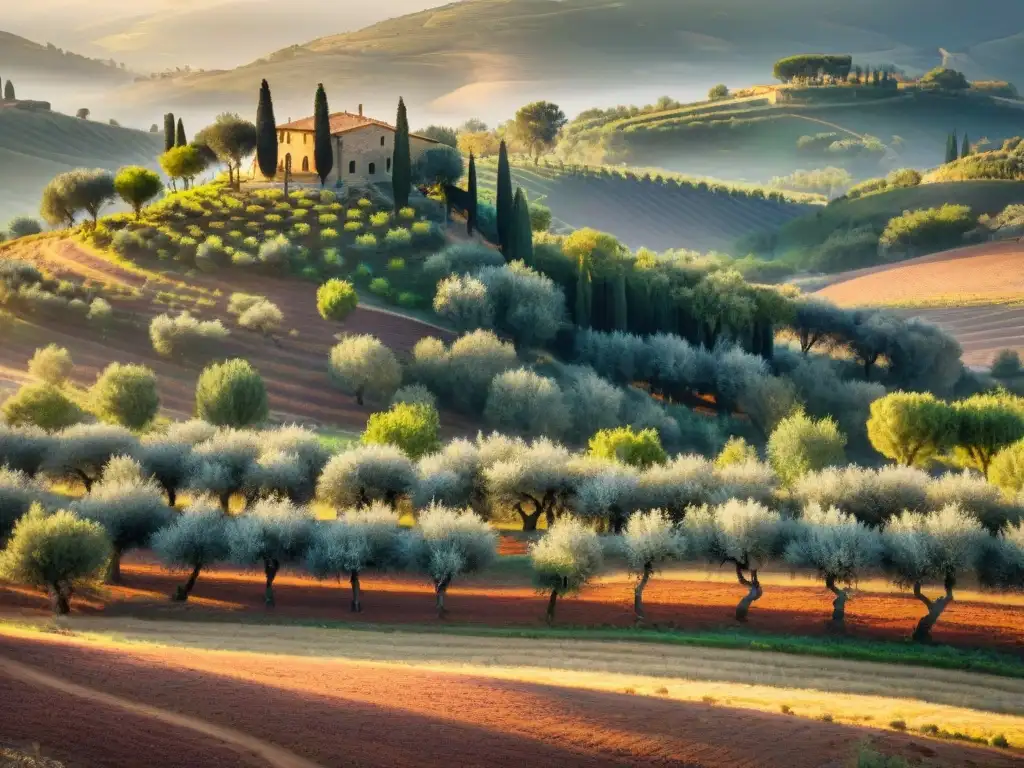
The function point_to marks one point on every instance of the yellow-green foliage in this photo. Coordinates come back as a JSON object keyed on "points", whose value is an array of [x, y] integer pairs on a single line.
{"points": [[364, 203], [929, 228], [736, 451], [638, 449], [799, 445], [380, 219], [910, 428], [40, 405], [411, 427], [354, 214], [336, 299], [407, 213], [353, 226]]}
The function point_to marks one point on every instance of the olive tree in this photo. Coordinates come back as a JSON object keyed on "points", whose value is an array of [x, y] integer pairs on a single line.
{"points": [[872, 496], [605, 493], [527, 305], [125, 395], [82, 451], [624, 444], [564, 560], [363, 367], [360, 540], [55, 552], [169, 463], [1007, 469], [413, 428], [263, 317], [922, 548], [221, 465], [129, 506], [650, 540], [17, 494], [910, 428], [366, 474], [975, 496], [454, 477], [270, 533], [535, 480], [51, 364], [838, 547], [800, 444], [41, 405], [24, 448], [462, 300], [744, 533], [231, 394], [984, 425], [137, 186], [305, 451], [197, 538], [522, 402], [446, 544], [1002, 564]]}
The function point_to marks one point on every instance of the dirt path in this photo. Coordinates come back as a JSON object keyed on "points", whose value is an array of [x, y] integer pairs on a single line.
{"points": [[273, 756]]}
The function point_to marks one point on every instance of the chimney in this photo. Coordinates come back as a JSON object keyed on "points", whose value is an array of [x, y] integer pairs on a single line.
{"points": [[360, 110]]}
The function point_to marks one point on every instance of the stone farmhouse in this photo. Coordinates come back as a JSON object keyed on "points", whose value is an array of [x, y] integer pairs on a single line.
{"points": [[363, 148]]}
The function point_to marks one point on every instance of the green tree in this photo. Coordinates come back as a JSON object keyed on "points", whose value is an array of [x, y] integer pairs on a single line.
{"points": [[565, 560], [266, 133], [183, 163], [984, 425], [363, 367], [442, 134], [411, 427], [323, 153], [196, 539], [537, 126], [40, 405], [51, 364], [911, 428], [505, 202], [9, 94], [55, 552], [231, 394], [966, 151], [799, 445], [137, 186], [336, 299], [401, 162], [170, 133], [230, 139], [620, 309], [180, 139], [125, 395], [718, 92], [638, 449], [472, 192], [1006, 470], [584, 294], [522, 230], [736, 451]]}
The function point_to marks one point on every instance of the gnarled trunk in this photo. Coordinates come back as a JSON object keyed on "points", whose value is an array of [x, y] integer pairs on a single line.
{"points": [[114, 567], [60, 598], [440, 588], [753, 594], [838, 622], [86, 480], [182, 592], [549, 614], [638, 592], [225, 502], [923, 631], [270, 568], [353, 579], [529, 520], [172, 496]]}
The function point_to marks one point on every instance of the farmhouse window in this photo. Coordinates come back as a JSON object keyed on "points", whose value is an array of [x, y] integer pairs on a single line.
{"points": [[389, 165], [305, 164], [351, 166], [382, 141], [373, 168]]}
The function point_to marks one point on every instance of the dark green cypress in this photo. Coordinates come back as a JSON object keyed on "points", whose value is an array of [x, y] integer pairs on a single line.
{"points": [[323, 154], [505, 201], [954, 148], [180, 139], [522, 232], [967, 147], [584, 295], [9, 94], [170, 132], [471, 213], [620, 319], [401, 162], [266, 134]]}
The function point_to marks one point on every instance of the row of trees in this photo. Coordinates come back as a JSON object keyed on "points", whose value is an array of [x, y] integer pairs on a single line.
{"points": [[88, 191], [955, 151]]}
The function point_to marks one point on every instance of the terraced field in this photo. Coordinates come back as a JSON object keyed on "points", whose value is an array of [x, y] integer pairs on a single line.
{"points": [[649, 213]]}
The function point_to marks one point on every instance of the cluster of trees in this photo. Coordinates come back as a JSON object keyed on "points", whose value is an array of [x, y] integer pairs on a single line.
{"points": [[74, 192], [813, 67]]}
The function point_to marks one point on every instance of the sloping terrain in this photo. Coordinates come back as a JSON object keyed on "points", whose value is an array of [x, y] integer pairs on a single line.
{"points": [[648, 213], [36, 146], [21, 58]]}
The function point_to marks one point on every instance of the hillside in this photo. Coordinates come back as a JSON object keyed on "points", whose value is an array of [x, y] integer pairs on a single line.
{"points": [[34, 147], [24, 60], [646, 212], [480, 56]]}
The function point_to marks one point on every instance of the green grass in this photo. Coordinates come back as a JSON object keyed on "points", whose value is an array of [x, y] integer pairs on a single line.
{"points": [[336, 440]]}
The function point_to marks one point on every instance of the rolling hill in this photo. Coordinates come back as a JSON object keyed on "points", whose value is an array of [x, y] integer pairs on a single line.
{"points": [[22, 59], [483, 56], [36, 146], [646, 212]]}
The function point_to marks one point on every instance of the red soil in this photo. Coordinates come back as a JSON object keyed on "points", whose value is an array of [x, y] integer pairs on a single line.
{"points": [[335, 713], [222, 593]]}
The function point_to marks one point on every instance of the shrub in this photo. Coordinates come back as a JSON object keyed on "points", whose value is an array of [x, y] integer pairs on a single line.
{"points": [[381, 219], [127, 243], [736, 452], [540, 217], [366, 474], [327, 219], [303, 230], [638, 449], [125, 395], [360, 540], [411, 427], [521, 402], [354, 214], [54, 552], [904, 177], [328, 234], [1006, 364], [263, 317], [332, 257], [23, 226], [528, 305], [367, 241], [871, 496], [276, 251], [421, 229], [196, 539], [407, 213], [17, 493], [51, 364], [185, 335], [414, 394], [649, 540], [931, 229], [396, 265], [460, 259], [409, 300], [380, 286], [231, 394], [336, 299], [363, 367], [446, 544], [242, 259], [463, 374], [364, 203], [353, 226], [40, 405], [1007, 469], [363, 271], [272, 532], [799, 445], [100, 312], [398, 237], [464, 303], [238, 303], [565, 560]]}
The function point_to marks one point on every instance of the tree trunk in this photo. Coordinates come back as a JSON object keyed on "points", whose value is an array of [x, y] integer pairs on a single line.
{"points": [[182, 592], [60, 599], [172, 496], [225, 502], [357, 606], [529, 520], [359, 396], [114, 567], [86, 480], [549, 614], [270, 569], [638, 592], [753, 594], [440, 588], [923, 631], [838, 622]]}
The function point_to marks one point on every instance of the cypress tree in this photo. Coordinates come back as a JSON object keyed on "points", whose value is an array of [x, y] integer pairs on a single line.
{"points": [[954, 148], [584, 294], [505, 201], [471, 213], [180, 139], [9, 94], [620, 319], [266, 134], [170, 133], [967, 147], [401, 162], [323, 154], [522, 232]]}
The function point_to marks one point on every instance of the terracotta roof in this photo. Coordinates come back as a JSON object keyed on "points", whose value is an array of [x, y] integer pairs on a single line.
{"points": [[342, 122]]}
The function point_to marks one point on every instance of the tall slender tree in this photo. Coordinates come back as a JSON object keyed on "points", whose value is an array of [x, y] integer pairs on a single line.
{"points": [[323, 153], [170, 132], [9, 94], [505, 201], [584, 293], [620, 314], [966, 151], [180, 139], [522, 232], [266, 134], [401, 162], [471, 210]]}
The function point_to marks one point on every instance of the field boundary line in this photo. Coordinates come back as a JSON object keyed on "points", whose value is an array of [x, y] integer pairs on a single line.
{"points": [[273, 755]]}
